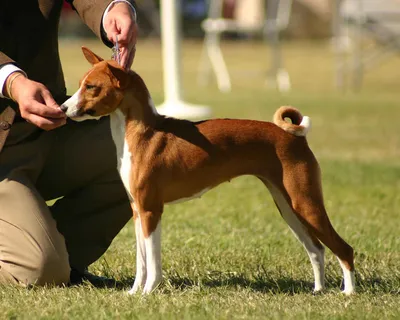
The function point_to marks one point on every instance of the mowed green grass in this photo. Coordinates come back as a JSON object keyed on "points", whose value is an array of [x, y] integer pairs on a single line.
{"points": [[229, 255]]}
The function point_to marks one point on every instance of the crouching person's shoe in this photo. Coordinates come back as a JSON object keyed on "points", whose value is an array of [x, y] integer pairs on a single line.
{"points": [[79, 277]]}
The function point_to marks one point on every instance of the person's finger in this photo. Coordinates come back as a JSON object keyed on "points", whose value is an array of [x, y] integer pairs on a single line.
{"points": [[127, 56], [124, 56], [125, 31], [43, 110], [112, 31], [48, 99], [45, 123], [131, 58]]}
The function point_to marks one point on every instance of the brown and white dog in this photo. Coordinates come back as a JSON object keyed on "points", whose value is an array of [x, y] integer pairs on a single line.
{"points": [[164, 160]]}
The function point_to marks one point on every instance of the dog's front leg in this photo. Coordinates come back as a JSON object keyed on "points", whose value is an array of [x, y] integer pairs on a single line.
{"points": [[140, 278], [151, 227]]}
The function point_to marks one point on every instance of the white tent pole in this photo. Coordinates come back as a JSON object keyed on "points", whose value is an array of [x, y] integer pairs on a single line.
{"points": [[170, 33], [170, 38]]}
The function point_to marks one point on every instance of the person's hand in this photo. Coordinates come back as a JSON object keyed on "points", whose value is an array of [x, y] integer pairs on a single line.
{"points": [[121, 21], [36, 104]]}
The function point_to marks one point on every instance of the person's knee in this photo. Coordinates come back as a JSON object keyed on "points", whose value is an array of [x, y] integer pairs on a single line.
{"points": [[49, 269]]}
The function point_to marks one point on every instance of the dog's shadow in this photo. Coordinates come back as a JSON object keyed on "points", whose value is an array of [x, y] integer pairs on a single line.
{"points": [[176, 282], [234, 281], [262, 284]]}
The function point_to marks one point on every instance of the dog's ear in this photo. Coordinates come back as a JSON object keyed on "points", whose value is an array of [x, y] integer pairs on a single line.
{"points": [[120, 76], [91, 56]]}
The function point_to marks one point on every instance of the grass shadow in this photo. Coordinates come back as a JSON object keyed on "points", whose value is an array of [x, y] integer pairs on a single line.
{"points": [[262, 283], [285, 285], [105, 283], [378, 285]]}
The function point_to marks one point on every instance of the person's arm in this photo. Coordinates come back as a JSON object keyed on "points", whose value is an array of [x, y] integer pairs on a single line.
{"points": [[6, 70], [93, 13], [107, 38], [4, 59], [119, 20], [110, 18], [34, 100], [7, 67]]}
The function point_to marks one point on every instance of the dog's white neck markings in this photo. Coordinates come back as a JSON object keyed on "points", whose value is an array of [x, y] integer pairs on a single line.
{"points": [[118, 124]]}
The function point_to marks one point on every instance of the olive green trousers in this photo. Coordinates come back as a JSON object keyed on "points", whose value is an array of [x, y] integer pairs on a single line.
{"points": [[75, 164]]}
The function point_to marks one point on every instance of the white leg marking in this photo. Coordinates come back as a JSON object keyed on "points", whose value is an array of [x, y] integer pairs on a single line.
{"points": [[140, 278], [349, 279], [124, 161], [318, 263], [153, 260], [315, 254]]}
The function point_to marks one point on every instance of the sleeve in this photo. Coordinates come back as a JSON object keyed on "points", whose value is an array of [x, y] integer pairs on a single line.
{"points": [[5, 71], [4, 59], [91, 12], [7, 66]]}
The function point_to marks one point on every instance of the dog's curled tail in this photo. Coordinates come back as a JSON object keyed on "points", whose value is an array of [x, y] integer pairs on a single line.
{"points": [[299, 125]]}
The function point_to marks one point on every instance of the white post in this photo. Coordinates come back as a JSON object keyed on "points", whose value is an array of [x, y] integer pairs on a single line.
{"points": [[170, 37], [170, 32]]}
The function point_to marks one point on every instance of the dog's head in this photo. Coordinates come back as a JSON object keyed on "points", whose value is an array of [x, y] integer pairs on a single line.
{"points": [[100, 92]]}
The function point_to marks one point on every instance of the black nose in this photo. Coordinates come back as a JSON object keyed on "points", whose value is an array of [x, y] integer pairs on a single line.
{"points": [[63, 108]]}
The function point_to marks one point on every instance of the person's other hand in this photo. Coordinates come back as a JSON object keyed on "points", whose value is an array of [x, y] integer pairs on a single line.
{"points": [[36, 104], [121, 21]]}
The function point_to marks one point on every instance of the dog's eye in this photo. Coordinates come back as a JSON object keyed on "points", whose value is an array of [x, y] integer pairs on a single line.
{"points": [[90, 86]]}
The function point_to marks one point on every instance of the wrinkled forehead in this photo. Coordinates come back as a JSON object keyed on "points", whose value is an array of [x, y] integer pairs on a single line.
{"points": [[99, 73]]}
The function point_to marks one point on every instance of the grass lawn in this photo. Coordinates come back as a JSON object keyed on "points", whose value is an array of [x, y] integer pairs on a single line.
{"points": [[230, 255]]}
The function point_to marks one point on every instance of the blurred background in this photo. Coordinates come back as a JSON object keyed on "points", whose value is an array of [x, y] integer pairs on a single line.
{"points": [[337, 61], [350, 41], [310, 18]]}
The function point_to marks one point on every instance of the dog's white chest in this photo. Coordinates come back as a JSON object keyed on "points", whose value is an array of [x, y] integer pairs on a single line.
{"points": [[118, 123]]}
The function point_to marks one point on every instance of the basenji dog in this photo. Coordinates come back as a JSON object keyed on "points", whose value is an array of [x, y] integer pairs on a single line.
{"points": [[163, 160]]}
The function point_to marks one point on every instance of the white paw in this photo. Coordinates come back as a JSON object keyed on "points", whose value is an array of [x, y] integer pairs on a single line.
{"points": [[134, 290], [348, 292], [318, 290], [138, 284], [151, 285]]}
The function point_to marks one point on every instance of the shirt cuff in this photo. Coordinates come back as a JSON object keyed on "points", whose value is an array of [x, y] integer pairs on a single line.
{"points": [[111, 5], [5, 71]]}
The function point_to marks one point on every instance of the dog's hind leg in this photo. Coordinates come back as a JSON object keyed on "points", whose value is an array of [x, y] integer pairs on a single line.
{"points": [[140, 277], [314, 248], [302, 187]]}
